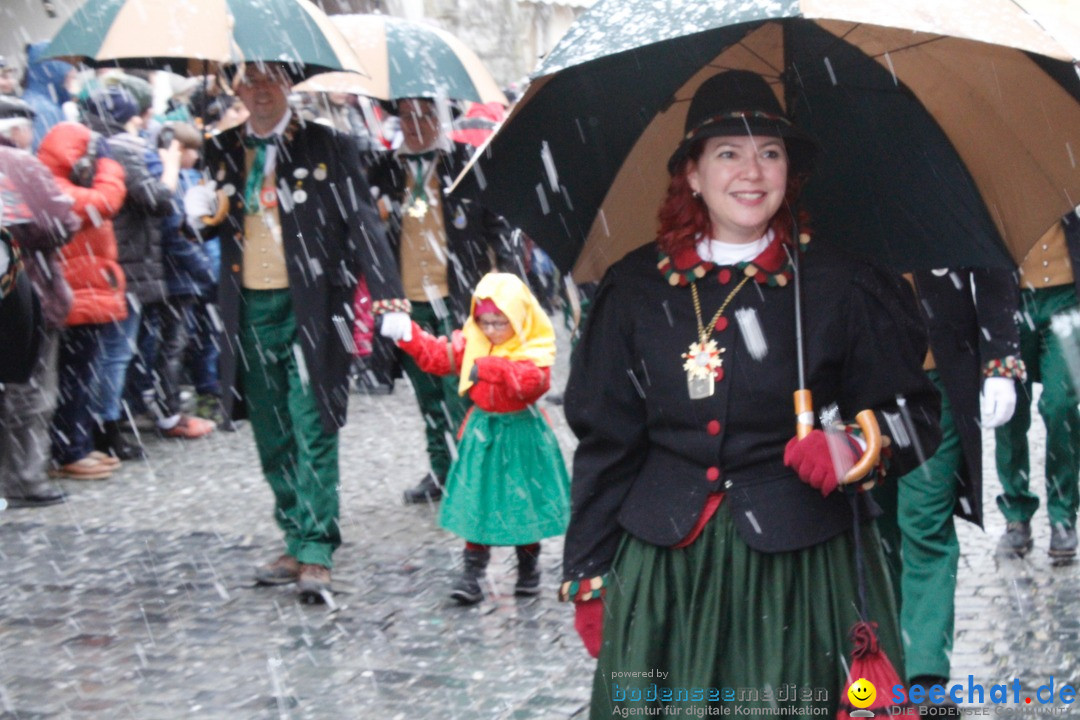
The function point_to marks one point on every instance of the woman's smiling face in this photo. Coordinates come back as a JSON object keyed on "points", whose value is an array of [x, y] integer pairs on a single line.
{"points": [[742, 180]]}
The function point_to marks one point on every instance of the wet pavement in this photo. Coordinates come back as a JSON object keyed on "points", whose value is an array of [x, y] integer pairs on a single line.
{"points": [[135, 599]]}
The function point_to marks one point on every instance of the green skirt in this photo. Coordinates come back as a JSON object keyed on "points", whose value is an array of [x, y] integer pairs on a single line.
{"points": [[720, 624], [508, 485]]}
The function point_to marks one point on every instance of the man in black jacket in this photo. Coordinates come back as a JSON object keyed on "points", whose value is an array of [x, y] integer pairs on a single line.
{"points": [[300, 230], [444, 245], [974, 359]]}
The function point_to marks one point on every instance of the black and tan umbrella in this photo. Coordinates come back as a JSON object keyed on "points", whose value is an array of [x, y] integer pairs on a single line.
{"points": [[950, 130]]}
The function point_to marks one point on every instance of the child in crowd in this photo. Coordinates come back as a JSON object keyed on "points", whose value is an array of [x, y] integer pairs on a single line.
{"points": [[155, 378], [508, 485]]}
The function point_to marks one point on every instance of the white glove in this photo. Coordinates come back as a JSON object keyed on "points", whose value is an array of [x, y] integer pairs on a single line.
{"points": [[998, 401], [396, 326], [199, 201]]}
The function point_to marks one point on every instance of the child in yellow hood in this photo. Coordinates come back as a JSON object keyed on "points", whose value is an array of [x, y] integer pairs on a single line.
{"points": [[508, 485]]}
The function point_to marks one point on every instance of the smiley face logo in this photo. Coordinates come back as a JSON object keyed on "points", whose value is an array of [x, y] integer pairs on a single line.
{"points": [[862, 693]]}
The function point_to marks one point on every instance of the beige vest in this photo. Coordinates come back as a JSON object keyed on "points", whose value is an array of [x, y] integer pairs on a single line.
{"points": [[424, 261], [264, 252], [1047, 263]]}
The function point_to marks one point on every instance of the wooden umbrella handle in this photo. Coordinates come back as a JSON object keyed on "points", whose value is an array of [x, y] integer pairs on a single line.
{"points": [[872, 436], [804, 413]]}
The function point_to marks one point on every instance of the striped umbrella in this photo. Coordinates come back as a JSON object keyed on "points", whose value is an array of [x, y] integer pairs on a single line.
{"points": [[408, 59], [187, 35]]}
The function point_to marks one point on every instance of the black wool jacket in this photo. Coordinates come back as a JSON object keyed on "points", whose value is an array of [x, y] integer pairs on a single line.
{"points": [[649, 456]]}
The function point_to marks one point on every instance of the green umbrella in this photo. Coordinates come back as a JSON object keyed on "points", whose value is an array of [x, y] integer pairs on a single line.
{"points": [[408, 59], [950, 132], [191, 34]]}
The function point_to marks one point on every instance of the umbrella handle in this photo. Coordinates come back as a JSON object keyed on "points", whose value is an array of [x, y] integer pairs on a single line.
{"points": [[804, 413], [868, 423]]}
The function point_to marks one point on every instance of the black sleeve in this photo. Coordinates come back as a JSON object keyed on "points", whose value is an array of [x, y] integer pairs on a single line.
{"points": [[883, 368], [997, 301], [606, 410], [144, 190], [505, 241], [368, 252]]}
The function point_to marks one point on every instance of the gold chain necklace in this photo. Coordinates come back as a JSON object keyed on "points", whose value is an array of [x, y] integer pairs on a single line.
{"points": [[703, 361], [702, 333]]}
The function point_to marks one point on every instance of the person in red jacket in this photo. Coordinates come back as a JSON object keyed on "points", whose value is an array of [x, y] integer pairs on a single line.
{"points": [[508, 485], [96, 183]]}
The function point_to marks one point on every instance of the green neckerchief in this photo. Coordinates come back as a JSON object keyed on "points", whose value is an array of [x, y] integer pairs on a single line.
{"points": [[419, 192], [255, 176]]}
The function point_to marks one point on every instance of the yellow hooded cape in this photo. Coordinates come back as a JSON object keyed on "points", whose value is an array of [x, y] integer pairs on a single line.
{"points": [[534, 336]]}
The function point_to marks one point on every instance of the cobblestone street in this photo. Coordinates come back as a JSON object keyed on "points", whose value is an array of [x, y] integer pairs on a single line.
{"points": [[135, 598]]}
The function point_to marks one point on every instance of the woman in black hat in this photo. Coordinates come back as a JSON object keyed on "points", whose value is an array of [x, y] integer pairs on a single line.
{"points": [[710, 553]]}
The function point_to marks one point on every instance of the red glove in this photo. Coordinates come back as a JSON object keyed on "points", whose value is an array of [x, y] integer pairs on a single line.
{"points": [[811, 459], [589, 623], [491, 369]]}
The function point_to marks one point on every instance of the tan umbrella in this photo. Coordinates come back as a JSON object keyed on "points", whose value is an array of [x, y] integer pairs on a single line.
{"points": [[407, 59], [187, 37]]}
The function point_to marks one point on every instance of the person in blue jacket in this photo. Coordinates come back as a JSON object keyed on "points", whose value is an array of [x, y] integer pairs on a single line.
{"points": [[45, 88]]}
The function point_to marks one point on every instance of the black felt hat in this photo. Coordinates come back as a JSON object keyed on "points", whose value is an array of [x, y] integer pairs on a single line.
{"points": [[738, 102]]}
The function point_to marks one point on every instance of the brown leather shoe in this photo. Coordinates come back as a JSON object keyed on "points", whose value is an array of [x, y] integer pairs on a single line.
{"points": [[314, 583], [284, 570], [105, 459], [86, 468]]}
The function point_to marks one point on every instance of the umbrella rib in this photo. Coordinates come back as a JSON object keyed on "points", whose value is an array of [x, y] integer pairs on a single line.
{"points": [[902, 48], [759, 56], [896, 50]]}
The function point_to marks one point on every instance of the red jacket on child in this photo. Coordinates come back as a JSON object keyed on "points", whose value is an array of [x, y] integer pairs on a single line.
{"points": [[501, 385]]}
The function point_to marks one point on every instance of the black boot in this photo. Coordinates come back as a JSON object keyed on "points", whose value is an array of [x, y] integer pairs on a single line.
{"points": [[110, 440], [467, 588], [528, 574], [428, 490]]}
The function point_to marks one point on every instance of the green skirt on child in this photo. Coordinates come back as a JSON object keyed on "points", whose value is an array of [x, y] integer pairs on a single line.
{"points": [[509, 484]]}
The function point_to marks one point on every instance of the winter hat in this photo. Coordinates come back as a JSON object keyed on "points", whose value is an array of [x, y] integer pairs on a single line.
{"points": [[113, 102], [486, 305], [739, 102]]}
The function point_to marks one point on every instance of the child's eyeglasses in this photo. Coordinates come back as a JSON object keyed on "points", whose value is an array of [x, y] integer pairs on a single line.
{"points": [[493, 324]]}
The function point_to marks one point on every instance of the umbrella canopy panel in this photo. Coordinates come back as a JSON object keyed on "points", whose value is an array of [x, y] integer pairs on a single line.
{"points": [[185, 36], [608, 28], [591, 142], [408, 59]]}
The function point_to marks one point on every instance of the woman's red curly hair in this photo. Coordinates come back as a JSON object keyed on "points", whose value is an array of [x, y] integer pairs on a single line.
{"points": [[684, 219]]}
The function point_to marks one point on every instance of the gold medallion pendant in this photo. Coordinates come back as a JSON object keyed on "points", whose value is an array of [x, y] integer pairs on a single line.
{"points": [[702, 361]]}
